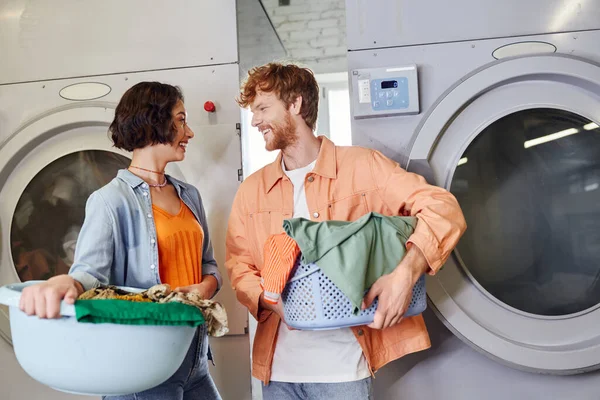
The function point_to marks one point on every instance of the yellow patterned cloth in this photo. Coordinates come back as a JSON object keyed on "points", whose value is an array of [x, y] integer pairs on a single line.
{"points": [[214, 313]]}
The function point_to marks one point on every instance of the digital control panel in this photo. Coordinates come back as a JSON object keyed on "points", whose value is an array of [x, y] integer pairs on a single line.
{"points": [[385, 91]]}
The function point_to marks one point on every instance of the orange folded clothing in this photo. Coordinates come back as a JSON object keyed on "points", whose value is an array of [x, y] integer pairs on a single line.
{"points": [[281, 252]]}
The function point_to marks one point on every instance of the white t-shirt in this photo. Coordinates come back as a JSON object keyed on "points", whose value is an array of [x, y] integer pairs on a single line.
{"points": [[315, 356]]}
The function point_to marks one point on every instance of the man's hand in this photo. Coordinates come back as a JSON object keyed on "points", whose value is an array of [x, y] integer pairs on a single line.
{"points": [[275, 308], [206, 289], [395, 290]]}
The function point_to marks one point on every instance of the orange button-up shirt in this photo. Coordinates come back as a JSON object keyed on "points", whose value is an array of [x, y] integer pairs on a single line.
{"points": [[346, 183]]}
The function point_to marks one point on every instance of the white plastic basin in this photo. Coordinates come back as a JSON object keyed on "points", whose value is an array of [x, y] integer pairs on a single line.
{"points": [[93, 359]]}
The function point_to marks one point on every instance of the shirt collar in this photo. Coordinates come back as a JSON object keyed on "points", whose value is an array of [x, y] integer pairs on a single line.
{"points": [[326, 165], [134, 181]]}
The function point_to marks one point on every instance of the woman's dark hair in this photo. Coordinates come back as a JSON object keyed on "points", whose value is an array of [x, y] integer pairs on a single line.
{"points": [[144, 116]]}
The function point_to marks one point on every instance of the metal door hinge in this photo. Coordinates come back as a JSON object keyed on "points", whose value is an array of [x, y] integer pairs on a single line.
{"points": [[240, 171]]}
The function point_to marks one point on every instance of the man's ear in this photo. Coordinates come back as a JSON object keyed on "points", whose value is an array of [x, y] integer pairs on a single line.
{"points": [[296, 106]]}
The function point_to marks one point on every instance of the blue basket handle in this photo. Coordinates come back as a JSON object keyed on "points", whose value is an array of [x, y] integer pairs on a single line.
{"points": [[304, 275], [10, 295]]}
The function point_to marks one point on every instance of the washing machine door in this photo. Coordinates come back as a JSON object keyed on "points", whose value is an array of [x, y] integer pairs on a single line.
{"points": [[517, 142], [48, 168]]}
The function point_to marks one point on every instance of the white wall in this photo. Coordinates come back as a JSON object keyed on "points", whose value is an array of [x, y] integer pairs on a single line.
{"points": [[257, 40], [313, 32]]}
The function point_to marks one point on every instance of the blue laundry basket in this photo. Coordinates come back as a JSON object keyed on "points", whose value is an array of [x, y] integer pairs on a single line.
{"points": [[311, 301]]}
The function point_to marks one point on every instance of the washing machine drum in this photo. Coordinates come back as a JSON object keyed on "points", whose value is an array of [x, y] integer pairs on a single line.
{"points": [[533, 210], [523, 285], [48, 169], [50, 211]]}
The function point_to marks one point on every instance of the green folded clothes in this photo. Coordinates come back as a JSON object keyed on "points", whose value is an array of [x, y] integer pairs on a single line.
{"points": [[353, 254], [125, 312]]}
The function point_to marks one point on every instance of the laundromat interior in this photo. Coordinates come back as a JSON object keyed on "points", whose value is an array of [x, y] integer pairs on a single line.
{"points": [[496, 101]]}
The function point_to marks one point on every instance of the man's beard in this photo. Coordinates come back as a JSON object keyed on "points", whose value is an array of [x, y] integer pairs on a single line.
{"points": [[284, 135]]}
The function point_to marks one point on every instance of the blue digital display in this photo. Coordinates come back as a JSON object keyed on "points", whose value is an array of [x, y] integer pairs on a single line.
{"points": [[389, 94]]}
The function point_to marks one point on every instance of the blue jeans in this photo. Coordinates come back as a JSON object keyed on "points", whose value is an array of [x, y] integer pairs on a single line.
{"points": [[192, 381], [357, 390]]}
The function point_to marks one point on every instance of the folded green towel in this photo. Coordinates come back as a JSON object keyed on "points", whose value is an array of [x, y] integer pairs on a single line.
{"points": [[125, 312]]}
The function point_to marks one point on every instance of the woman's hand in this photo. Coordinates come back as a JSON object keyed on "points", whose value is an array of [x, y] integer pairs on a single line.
{"points": [[206, 289], [44, 299]]}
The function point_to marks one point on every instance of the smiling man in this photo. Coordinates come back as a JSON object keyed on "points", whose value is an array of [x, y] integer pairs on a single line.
{"points": [[314, 179]]}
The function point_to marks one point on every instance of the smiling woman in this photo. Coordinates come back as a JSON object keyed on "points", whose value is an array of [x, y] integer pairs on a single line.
{"points": [[144, 228]]}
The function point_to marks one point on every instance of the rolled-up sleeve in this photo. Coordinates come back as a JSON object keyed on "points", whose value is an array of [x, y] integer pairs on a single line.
{"points": [[94, 252], [440, 219]]}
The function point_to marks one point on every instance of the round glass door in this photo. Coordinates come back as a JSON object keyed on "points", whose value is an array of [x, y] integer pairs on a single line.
{"points": [[517, 143], [51, 209], [529, 187]]}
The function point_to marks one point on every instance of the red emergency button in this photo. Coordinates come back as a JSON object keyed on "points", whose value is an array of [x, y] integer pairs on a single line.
{"points": [[210, 106]]}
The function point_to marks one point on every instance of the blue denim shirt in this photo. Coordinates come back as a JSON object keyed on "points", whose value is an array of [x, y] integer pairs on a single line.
{"points": [[117, 243]]}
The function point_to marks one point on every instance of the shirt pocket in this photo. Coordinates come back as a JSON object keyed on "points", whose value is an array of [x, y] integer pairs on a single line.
{"points": [[349, 208]]}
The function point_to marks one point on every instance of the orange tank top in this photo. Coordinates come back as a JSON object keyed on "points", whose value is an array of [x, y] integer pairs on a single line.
{"points": [[179, 239]]}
